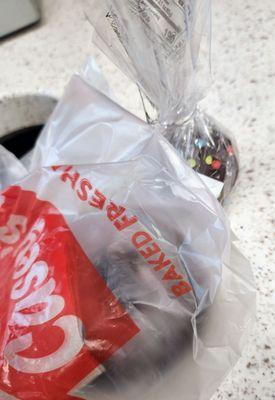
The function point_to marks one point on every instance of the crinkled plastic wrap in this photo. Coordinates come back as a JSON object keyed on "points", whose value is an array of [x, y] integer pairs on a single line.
{"points": [[164, 47], [117, 276], [11, 169]]}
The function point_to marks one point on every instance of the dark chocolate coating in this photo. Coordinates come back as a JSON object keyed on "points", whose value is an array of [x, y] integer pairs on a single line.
{"points": [[164, 335], [219, 150], [207, 149]]}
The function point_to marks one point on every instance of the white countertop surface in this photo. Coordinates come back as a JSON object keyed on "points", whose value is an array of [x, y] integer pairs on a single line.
{"points": [[41, 61]]}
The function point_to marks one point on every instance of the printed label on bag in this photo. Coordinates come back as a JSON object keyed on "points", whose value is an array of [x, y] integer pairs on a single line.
{"points": [[53, 302], [164, 21], [122, 220]]}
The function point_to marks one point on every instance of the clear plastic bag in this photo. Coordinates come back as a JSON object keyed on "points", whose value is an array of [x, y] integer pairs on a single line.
{"points": [[164, 46], [117, 276]]}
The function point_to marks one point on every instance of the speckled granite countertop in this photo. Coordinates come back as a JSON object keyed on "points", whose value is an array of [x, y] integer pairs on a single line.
{"points": [[41, 60]]}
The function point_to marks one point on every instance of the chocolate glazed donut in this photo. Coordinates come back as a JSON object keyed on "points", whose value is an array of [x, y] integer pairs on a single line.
{"points": [[165, 331], [213, 154]]}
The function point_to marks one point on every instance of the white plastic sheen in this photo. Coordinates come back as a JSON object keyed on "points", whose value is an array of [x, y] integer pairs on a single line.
{"points": [[186, 344], [11, 169]]}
